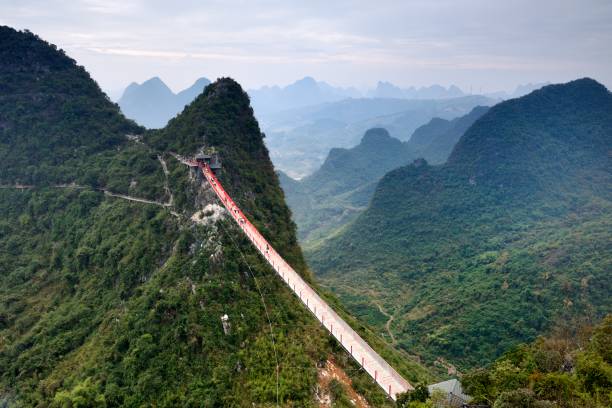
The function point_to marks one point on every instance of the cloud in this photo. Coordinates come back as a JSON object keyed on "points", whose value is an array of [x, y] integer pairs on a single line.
{"points": [[112, 7], [410, 42]]}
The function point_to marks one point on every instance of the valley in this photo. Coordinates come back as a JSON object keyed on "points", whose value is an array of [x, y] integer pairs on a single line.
{"points": [[503, 241], [233, 204], [335, 194]]}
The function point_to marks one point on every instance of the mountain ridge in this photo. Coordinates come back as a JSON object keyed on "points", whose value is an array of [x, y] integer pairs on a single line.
{"points": [[497, 243], [113, 300], [342, 187], [152, 103]]}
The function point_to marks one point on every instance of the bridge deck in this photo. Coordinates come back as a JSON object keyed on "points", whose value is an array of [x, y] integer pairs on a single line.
{"points": [[382, 373]]}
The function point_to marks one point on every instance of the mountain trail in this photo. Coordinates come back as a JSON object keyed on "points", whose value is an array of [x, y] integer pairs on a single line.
{"points": [[105, 191], [389, 322], [166, 184]]}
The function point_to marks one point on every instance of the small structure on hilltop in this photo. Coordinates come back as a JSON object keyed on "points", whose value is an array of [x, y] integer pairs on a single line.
{"points": [[210, 157], [452, 390]]}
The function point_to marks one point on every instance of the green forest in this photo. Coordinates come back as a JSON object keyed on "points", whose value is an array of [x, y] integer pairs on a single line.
{"points": [[116, 270], [570, 368], [108, 302]]}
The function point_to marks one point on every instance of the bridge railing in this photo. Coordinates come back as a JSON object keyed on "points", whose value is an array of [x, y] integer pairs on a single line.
{"points": [[382, 373]]}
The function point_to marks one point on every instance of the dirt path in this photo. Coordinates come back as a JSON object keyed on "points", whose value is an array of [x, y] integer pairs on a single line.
{"points": [[142, 200], [166, 184], [16, 187], [390, 319], [136, 199], [163, 164], [105, 191]]}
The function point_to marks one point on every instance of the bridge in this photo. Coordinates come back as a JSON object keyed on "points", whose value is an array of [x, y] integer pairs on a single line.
{"points": [[383, 374]]}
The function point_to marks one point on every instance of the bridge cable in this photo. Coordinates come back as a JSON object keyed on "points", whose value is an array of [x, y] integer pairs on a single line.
{"points": [[265, 306]]}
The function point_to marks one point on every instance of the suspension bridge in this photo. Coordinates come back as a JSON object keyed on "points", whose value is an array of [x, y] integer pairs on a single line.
{"points": [[381, 372]]}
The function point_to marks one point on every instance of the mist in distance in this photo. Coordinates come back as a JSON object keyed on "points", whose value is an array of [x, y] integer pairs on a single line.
{"points": [[479, 46]]}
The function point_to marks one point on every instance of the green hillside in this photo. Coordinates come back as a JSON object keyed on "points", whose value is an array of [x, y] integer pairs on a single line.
{"points": [[508, 237], [435, 140], [571, 368], [110, 302], [342, 187], [53, 117]]}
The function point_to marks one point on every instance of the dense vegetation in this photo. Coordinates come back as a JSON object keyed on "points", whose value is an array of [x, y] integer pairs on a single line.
{"points": [[110, 302], [435, 140], [573, 369], [494, 247], [54, 120], [341, 189]]}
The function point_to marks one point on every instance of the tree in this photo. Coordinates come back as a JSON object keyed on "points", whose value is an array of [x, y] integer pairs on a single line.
{"points": [[85, 394], [479, 385], [420, 393], [520, 398]]}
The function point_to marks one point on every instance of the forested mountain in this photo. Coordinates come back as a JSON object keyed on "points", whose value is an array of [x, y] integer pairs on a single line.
{"points": [[38, 81], [110, 301], [342, 188], [509, 236], [153, 104], [435, 140]]}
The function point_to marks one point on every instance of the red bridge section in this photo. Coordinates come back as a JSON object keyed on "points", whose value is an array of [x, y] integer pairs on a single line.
{"points": [[382, 373]]}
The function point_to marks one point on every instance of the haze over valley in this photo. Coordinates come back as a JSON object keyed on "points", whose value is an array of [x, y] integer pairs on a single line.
{"points": [[303, 121]]}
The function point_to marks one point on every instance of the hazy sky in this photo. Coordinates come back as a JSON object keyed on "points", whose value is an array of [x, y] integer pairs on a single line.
{"points": [[484, 44]]}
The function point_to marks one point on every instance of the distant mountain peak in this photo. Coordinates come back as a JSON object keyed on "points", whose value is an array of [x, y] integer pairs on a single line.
{"points": [[154, 80], [376, 135], [197, 84], [307, 80], [202, 80], [156, 83], [187, 95], [385, 89], [301, 93], [153, 103]]}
